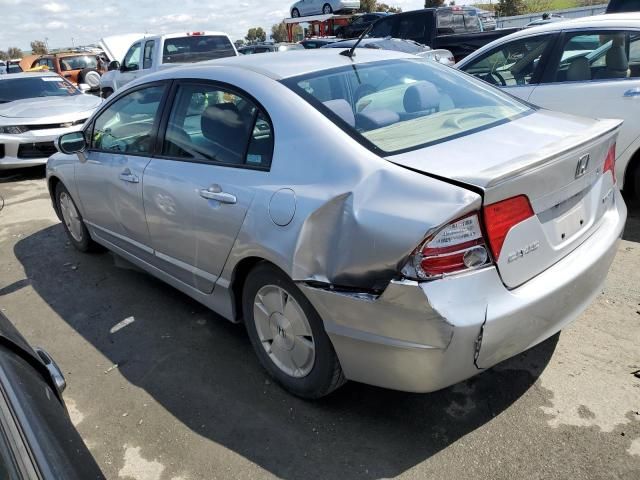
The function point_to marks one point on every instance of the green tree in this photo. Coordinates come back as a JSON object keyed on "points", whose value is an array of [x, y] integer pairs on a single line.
{"points": [[14, 52], [239, 43], [3, 55], [368, 6], [508, 8], [255, 34], [38, 47], [383, 7], [279, 32], [433, 3]]}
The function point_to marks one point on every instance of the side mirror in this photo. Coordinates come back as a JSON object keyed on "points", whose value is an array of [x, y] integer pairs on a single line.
{"points": [[115, 65], [71, 143]]}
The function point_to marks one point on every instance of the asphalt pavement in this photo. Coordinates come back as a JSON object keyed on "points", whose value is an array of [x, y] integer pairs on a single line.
{"points": [[160, 388]]}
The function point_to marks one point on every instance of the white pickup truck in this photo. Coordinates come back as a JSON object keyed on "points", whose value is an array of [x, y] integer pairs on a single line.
{"points": [[150, 54]]}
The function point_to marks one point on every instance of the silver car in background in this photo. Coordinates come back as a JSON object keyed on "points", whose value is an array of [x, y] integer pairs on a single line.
{"points": [[303, 8], [376, 218], [35, 109]]}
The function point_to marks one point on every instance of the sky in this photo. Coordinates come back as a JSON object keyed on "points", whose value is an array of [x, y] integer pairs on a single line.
{"points": [[86, 21]]}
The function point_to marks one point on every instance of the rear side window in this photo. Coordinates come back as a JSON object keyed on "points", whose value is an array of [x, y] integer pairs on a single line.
{"points": [[401, 105], [597, 56], [384, 27], [196, 48], [208, 123], [126, 126]]}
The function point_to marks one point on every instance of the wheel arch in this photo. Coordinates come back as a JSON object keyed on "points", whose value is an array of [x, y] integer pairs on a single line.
{"points": [[633, 168], [52, 184], [239, 277]]}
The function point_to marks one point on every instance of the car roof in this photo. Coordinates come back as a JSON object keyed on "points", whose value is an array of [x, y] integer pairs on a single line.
{"points": [[296, 62], [28, 75], [596, 21]]}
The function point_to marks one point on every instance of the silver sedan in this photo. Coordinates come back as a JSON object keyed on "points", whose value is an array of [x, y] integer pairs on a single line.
{"points": [[35, 109], [376, 218]]}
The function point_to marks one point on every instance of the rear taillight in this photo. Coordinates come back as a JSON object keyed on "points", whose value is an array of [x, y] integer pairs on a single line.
{"points": [[500, 217], [458, 246], [610, 162]]}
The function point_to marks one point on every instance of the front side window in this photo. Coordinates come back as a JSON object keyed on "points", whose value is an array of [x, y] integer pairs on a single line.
{"points": [[126, 126], [208, 123], [402, 105], [132, 58], [596, 56], [510, 65], [147, 59], [196, 48]]}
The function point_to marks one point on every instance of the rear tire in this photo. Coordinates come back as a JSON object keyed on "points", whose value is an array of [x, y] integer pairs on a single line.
{"points": [[72, 221], [287, 334], [295, 13]]}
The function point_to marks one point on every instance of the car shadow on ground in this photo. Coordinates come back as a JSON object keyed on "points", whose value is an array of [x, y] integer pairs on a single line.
{"points": [[632, 229], [202, 370]]}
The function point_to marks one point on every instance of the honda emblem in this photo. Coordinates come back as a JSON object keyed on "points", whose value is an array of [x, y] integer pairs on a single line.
{"points": [[583, 163]]}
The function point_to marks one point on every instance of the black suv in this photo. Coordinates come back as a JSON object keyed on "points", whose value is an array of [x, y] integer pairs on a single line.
{"points": [[358, 25]]}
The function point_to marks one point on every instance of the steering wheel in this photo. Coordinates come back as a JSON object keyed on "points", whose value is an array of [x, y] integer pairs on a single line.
{"points": [[495, 78]]}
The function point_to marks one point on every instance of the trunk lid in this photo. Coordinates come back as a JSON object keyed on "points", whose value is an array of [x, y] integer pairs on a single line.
{"points": [[539, 156]]}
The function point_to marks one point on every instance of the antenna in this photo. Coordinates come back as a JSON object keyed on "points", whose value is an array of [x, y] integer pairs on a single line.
{"points": [[352, 51]]}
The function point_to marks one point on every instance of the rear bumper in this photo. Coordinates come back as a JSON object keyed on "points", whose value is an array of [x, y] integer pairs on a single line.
{"points": [[423, 337]]}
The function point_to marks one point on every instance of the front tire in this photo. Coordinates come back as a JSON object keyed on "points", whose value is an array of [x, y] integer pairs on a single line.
{"points": [[72, 221], [326, 9], [288, 336], [295, 13]]}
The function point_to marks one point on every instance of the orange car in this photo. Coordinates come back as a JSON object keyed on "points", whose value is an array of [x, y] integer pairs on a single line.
{"points": [[76, 67]]}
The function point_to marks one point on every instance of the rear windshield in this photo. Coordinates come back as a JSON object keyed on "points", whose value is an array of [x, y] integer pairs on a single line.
{"points": [[401, 105], [21, 88], [78, 63], [196, 48]]}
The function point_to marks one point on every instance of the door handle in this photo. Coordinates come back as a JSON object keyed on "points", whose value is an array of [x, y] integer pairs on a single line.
{"points": [[214, 192], [127, 176], [634, 92]]}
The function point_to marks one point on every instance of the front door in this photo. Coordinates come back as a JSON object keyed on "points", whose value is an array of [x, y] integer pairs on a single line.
{"points": [[217, 151], [110, 176], [515, 66]]}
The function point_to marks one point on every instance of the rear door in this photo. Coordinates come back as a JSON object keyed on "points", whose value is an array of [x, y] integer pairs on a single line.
{"points": [[216, 150], [516, 66], [109, 179], [596, 73]]}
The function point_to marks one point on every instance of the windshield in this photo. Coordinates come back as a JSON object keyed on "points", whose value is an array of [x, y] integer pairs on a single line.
{"points": [[78, 63], [196, 48], [401, 105], [21, 88]]}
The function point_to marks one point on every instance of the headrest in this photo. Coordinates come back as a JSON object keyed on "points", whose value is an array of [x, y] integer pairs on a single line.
{"points": [[342, 109], [217, 120], [372, 119], [579, 70], [421, 96]]}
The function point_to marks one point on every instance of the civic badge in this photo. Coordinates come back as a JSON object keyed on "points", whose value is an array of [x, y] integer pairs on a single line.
{"points": [[583, 163]]}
